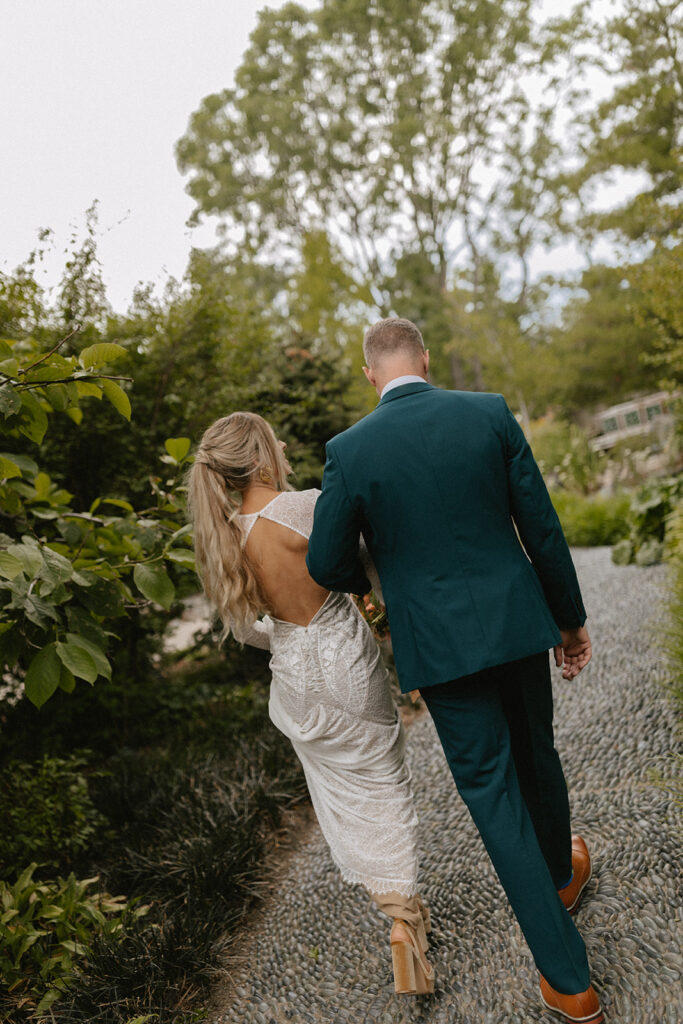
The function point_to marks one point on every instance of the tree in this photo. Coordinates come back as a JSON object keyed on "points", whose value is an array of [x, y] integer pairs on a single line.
{"points": [[638, 128], [598, 353], [659, 309], [373, 124]]}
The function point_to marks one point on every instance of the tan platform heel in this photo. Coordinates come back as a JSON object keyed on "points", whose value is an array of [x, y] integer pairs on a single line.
{"points": [[425, 925], [413, 974]]}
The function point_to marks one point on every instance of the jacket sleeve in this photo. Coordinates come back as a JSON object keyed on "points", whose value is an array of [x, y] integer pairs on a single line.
{"points": [[540, 530], [333, 545]]}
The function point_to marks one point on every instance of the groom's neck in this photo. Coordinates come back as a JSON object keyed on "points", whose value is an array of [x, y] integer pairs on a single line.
{"points": [[395, 370]]}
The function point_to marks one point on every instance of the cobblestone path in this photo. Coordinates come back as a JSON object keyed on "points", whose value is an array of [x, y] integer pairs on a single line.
{"points": [[320, 954]]}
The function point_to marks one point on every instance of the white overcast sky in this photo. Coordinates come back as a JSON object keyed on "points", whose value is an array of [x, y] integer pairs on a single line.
{"points": [[94, 95]]}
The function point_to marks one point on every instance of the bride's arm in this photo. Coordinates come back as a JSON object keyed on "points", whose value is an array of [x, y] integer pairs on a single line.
{"points": [[370, 570], [256, 635]]}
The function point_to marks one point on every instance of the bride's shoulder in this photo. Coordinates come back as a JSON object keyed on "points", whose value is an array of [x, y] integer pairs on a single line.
{"points": [[311, 494], [298, 499]]}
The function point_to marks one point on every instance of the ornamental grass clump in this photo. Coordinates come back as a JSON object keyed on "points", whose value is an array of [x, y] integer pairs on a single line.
{"points": [[192, 837]]}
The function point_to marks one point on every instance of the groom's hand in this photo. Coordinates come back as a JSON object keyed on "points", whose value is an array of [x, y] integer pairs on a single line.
{"points": [[574, 652]]}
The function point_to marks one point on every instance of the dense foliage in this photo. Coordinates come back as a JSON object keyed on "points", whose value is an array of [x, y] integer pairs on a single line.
{"points": [[652, 512]]}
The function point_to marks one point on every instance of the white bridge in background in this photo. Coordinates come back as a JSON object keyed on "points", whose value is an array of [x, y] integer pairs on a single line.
{"points": [[639, 417]]}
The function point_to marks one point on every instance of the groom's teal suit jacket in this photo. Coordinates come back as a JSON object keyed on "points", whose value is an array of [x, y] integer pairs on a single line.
{"points": [[437, 481]]}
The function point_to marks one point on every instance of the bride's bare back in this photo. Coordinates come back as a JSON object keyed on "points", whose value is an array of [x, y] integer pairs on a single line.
{"points": [[278, 554]]}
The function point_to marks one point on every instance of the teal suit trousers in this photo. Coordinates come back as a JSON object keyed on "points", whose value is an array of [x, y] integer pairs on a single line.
{"points": [[496, 731]]}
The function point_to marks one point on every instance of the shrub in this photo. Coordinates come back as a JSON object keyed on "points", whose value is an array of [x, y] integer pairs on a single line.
{"points": [[652, 513], [673, 632], [590, 522], [564, 455], [47, 814], [199, 703], [673, 537], [46, 932]]}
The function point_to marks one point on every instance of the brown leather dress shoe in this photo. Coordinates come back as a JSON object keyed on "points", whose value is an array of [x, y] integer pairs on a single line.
{"points": [[582, 1008], [581, 874]]}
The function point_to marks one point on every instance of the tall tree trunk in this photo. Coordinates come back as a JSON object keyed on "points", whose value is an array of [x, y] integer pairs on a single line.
{"points": [[457, 371]]}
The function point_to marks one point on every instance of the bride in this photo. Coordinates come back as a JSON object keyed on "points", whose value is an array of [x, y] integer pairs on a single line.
{"points": [[330, 690]]}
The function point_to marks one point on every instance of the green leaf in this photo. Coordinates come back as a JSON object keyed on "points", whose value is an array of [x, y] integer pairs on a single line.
{"points": [[153, 581], [58, 568], [86, 389], [10, 400], [39, 611], [33, 422], [58, 397], [182, 532], [48, 999], [27, 466], [10, 566], [10, 367], [30, 557], [78, 661], [8, 468], [119, 503], [66, 680], [95, 652], [181, 555], [100, 354], [42, 485], [103, 597], [117, 396], [42, 678], [177, 447]]}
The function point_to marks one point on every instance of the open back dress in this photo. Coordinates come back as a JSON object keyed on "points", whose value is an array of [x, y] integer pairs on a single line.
{"points": [[330, 696]]}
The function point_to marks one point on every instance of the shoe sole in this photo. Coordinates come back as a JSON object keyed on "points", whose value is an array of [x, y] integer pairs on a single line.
{"points": [[575, 905], [593, 1018]]}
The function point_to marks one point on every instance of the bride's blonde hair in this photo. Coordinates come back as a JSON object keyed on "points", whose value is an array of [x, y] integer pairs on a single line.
{"points": [[233, 452]]}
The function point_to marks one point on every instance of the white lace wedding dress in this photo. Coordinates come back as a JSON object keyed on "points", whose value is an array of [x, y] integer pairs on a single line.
{"points": [[330, 695]]}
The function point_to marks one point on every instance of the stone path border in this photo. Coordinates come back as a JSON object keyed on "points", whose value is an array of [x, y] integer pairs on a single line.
{"points": [[320, 952]]}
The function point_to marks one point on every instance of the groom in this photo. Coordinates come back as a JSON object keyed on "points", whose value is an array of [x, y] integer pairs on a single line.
{"points": [[443, 487]]}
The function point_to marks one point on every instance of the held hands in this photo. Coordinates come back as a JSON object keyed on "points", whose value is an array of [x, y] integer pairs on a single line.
{"points": [[574, 652]]}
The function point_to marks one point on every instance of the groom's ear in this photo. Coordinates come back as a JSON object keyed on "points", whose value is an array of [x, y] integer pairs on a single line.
{"points": [[426, 359], [370, 374]]}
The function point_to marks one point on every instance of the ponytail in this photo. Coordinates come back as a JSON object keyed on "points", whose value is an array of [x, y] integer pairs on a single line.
{"points": [[231, 451]]}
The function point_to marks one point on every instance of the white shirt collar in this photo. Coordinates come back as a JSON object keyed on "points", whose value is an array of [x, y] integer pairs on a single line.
{"points": [[408, 378]]}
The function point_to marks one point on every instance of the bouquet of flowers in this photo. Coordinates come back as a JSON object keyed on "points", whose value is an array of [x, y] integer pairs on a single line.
{"points": [[375, 614]]}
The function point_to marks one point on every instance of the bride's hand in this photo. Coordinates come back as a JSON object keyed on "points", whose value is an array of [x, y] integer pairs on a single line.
{"points": [[414, 696]]}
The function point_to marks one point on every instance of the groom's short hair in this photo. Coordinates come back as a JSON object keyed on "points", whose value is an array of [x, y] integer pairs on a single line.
{"points": [[391, 337]]}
